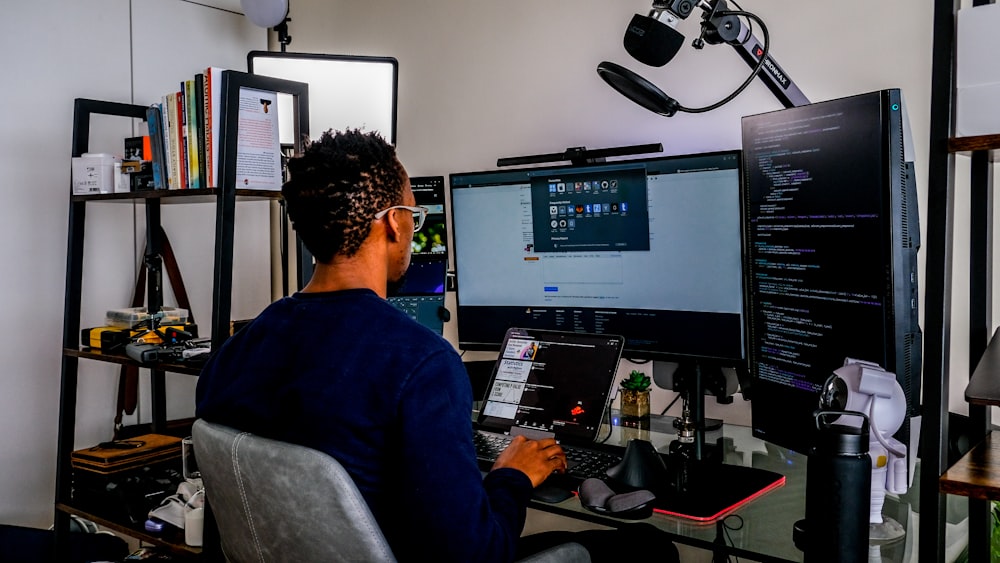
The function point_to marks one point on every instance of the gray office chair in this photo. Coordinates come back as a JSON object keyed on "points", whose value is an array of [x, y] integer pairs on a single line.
{"points": [[264, 495]]}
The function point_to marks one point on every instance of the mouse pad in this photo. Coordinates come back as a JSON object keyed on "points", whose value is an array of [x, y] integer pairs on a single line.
{"points": [[713, 490]]}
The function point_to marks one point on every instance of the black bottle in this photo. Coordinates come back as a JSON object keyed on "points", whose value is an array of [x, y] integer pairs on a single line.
{"points": [[838, 492]]}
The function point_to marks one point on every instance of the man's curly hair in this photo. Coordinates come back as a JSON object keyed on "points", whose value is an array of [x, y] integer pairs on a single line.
{"points": [[336, 187]]}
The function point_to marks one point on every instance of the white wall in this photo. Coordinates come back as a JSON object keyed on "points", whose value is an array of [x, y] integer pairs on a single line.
{"points": [[52, 52], [482, 80]]}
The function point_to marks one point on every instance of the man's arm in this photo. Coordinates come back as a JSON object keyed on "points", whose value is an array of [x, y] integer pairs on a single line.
{"points": [[456, 514]]}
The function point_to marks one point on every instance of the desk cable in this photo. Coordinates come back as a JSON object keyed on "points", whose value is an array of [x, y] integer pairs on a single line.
{"points": [[607, 417], [665, 409], [722, 537]]}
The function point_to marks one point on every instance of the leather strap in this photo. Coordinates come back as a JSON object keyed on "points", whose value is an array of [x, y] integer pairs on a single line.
{"points": [[128, 378]]}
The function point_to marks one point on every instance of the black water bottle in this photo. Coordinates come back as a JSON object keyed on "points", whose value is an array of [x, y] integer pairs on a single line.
{"points": [[838, 492]]}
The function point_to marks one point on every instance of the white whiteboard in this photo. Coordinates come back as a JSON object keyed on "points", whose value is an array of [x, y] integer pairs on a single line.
{"points": [[344, 91]]}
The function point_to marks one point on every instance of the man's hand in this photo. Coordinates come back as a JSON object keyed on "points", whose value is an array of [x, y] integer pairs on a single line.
{"points": [[535, 458]]}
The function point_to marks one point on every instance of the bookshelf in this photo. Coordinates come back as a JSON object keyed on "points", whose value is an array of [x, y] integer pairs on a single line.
{"points": [[224, 199], [976, 475], [972, 475]]}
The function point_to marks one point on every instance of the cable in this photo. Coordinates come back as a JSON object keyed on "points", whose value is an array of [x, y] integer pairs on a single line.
{"points": [[611, 430], [726, 528], [753, 74], [671, 404]]}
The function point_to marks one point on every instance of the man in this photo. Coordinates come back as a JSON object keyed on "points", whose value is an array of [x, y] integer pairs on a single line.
{"points": [[338, 369]]}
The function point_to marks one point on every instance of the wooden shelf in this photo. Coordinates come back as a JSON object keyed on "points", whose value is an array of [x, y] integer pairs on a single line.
{"points": [[125, 360], [171, 538], [977, 143], [207, 195], [977, 474]]}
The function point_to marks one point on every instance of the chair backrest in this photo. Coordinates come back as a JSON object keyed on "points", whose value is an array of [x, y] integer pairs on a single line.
{"points": [[275, 501]]}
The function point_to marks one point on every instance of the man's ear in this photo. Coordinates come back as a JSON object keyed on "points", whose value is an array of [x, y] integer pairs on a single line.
{"points": [[393, 229]]}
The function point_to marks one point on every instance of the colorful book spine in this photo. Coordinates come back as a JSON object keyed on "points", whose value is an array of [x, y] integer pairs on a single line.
{"points": [[191, 125], [213, 115], [182, 141], [154, 123], [175, 176], [199, 98], [169, 180]]}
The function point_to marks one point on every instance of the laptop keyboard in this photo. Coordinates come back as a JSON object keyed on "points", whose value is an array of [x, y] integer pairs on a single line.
{"points": [[411, 305], [582, 463]]}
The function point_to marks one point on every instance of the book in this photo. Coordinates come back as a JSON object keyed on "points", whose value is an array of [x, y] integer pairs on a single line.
{"points": [[258, 147], [154, 122], [175, 178], [167, 178], [213, 118], [199, 93], [112, 457], [191, 133], [182, 153]]}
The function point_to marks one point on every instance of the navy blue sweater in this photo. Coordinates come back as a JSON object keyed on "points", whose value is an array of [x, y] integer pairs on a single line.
{"points": [[348, 374]]}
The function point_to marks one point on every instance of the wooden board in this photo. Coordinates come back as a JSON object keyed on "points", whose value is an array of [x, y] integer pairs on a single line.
{"points": [[155, 447], [977, 474]]}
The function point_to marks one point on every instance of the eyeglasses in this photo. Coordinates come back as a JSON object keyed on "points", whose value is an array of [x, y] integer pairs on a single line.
{"points": [[419, 214]]}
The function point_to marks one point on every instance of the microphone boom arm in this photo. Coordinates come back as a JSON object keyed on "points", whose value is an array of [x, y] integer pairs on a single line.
{"points": [[776, 79], [654, 43], [720, 25]]}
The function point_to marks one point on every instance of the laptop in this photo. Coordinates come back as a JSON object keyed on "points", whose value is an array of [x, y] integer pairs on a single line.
{"points": [[422, 294], [551, 384], [423, 291]]}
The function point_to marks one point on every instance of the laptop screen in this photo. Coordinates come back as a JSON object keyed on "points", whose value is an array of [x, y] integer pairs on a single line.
{"points": [[432, 239], [425, 276], [552, 381], [422, 292]]}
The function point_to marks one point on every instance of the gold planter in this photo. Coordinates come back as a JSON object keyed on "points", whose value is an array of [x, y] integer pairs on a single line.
{"points": [[635, 404]]}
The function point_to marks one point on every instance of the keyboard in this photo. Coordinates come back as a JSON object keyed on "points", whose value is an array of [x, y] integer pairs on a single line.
{"points": [[411, 305], [582, 463]]}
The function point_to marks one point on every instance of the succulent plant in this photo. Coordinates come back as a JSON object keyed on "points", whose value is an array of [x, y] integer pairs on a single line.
{"points": [[636, 381]]}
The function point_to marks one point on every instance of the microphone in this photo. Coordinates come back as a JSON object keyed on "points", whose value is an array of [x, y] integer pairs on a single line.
{"points": [[637, 89], [651, 41]]}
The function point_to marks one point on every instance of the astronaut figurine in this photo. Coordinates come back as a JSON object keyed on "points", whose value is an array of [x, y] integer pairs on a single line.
{"points": [[866, 387]]}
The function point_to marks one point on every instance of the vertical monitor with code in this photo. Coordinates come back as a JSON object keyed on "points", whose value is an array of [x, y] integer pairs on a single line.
{"points": [[830, 227]]}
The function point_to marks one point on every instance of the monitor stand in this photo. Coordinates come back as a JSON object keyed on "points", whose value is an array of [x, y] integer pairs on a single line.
{"points": [[699, 486], [691, 426]]}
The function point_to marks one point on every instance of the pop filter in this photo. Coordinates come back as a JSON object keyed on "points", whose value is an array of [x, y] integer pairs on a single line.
{"points": [[637, 89]]}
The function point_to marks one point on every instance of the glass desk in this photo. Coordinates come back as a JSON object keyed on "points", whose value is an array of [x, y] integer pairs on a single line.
{"points": [[760, 530]]}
